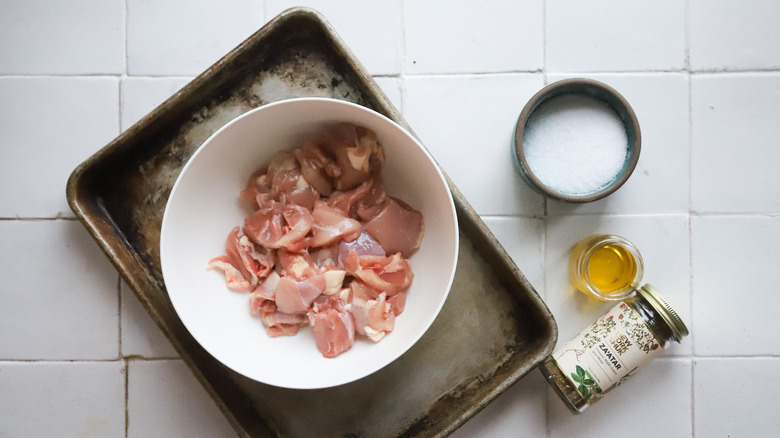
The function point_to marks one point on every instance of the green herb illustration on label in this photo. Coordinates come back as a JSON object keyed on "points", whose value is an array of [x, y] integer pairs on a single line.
{"points": [[585, 383], [637, 330], [598, 331]]}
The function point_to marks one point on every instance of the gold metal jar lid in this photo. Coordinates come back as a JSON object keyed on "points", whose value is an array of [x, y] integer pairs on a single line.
{"points": [[675, 323]]}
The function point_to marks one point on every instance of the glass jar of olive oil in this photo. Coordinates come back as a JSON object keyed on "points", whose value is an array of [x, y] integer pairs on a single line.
{"points": [[612, 349], [606, 267]]}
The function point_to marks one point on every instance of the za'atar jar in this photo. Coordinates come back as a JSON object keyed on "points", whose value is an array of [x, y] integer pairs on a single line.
{"points": [[612, 349]]}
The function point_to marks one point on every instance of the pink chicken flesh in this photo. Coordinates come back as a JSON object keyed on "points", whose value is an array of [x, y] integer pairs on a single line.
{"points": [[324, 246]]}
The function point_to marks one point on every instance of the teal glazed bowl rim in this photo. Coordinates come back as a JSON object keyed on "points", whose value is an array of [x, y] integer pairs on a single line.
{"points": [[596, 90]]}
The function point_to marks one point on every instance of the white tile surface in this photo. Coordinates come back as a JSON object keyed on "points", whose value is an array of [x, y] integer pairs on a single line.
{"points": [[487, 36], [184, 37], [467, 124], [372, 30], [663, 242], [164, 399], [47, 127], [734, 137], [66, 399], [727, 35], [140, 335], [736, 397], [59, 296], [660, 182], [614, 35], [523, 240], [656, 402], [142, 95], [34, 39], [520, 408], [734, 260], [391, 86]]}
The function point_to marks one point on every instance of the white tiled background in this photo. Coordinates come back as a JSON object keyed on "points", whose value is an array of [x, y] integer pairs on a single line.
{"points": [[79, 357]]}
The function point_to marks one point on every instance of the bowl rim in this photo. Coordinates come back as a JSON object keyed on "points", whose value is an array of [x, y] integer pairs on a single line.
{"points": [[450, 201], [594, 89]]}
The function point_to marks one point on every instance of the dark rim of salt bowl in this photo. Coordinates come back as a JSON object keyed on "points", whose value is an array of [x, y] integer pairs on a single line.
{"points": [[596, 90]]}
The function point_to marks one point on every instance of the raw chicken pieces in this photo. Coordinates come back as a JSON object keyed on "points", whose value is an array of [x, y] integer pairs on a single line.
{"points": [[325, 246]]}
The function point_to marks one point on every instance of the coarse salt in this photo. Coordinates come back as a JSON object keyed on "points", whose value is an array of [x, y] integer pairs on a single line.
{"points": [[575, 144]]}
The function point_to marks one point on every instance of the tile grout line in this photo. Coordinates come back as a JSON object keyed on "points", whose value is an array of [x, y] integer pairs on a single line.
{"points": [[714, 72], [689, 212], [122, 74], [59, 75], [687, 20], [544, 41], [38, 219], [693, 396], [124, 26], [687, 36], [597, 214], [402, 54], [693, 337], [545, 81], [127, 397], [545, 212], [54, 361], [692, 358], [119, 314], [734, 72], [690, 183], [545, 78], [690, 215], [690, 104], [120, 101], [126, 73], [690, 254]]}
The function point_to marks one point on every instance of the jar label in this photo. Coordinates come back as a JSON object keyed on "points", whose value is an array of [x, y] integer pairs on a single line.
{"points": [[608, 352]]}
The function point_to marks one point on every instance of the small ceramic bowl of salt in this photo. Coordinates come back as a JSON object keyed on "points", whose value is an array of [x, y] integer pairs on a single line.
{"points": [[577, 140]]}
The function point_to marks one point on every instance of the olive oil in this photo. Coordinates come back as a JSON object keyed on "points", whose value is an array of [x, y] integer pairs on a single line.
{"points": [[606, 267], [611, 268]]}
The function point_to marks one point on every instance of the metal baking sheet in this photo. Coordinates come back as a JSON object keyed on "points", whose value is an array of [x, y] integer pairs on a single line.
{"points": [[493, 329]]}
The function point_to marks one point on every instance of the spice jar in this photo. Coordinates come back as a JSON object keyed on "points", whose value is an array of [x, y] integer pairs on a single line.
{"points": [[606, 354], [606, 267]]}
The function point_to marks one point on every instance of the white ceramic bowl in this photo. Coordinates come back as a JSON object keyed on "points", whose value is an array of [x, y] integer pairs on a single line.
{"points": [[204, 206]]}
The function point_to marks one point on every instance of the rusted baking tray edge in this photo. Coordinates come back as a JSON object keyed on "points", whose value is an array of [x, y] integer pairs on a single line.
{"points": [[493, 329]]}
